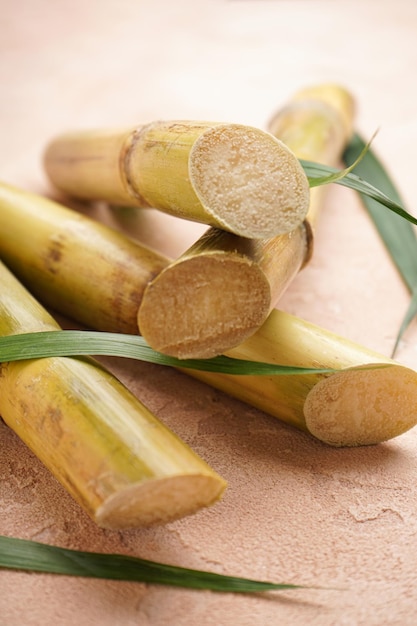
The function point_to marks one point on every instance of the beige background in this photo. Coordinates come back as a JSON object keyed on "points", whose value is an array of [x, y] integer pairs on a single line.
{"points": [[295, 511]]}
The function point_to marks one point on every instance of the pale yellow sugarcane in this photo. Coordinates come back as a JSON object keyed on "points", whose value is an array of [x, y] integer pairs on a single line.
{"points": [[316, 125], [356, 407], [235, 177], [223, 288], [118, 461], [353, 407], [59, 252]]}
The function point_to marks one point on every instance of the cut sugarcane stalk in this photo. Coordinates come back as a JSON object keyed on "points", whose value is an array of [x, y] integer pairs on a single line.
{"points": [[222, 289], [219, 292], [122, 465], [235, 177], [59, 252], [353, 407]]}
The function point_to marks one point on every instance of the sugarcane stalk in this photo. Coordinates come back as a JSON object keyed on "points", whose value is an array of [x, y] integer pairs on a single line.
{"points": [[58, 252], [235, 177], [116, 459], [218, 292], [370, 400], [223, 288]]}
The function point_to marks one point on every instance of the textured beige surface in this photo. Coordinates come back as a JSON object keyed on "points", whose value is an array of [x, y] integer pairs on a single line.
{"points": [[295, 511]]}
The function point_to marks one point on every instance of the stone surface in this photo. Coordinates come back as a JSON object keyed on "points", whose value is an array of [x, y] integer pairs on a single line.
{"points": [[295, 510]]}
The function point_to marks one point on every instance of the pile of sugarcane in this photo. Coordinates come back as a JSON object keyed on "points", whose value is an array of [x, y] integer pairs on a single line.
{"points": [[113, 456]]}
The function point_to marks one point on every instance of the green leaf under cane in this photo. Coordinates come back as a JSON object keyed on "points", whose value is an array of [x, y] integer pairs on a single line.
{"points": [[82, 342], [397, 234]]}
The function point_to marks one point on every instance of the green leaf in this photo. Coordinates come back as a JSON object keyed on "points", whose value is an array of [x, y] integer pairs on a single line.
{"points": [[22, 554], [397, 234], [318, 174], [83, 342]]}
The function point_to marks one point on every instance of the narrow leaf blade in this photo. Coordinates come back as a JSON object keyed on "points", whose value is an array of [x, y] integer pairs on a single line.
{"points": [[82, 342], [23, 554]]}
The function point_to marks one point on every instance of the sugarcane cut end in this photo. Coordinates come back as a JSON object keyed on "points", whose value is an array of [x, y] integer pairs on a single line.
{"points": [[159, 501], [363, 406], [203, 305], [249, 181]]}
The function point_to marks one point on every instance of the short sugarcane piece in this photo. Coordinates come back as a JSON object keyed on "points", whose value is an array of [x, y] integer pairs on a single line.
{"points": [[219, 292], [235, 177], [353, 407], [367, 406], [57, 252], [223, 288], [121, 464]]}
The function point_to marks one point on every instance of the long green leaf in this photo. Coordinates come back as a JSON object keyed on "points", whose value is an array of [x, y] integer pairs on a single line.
{"points": [[22, 554], [83, 342], [397, 234]]}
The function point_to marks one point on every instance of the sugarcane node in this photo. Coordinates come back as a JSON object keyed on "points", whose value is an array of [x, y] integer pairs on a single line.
{"points": [[125, 170], [363, 405]]}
